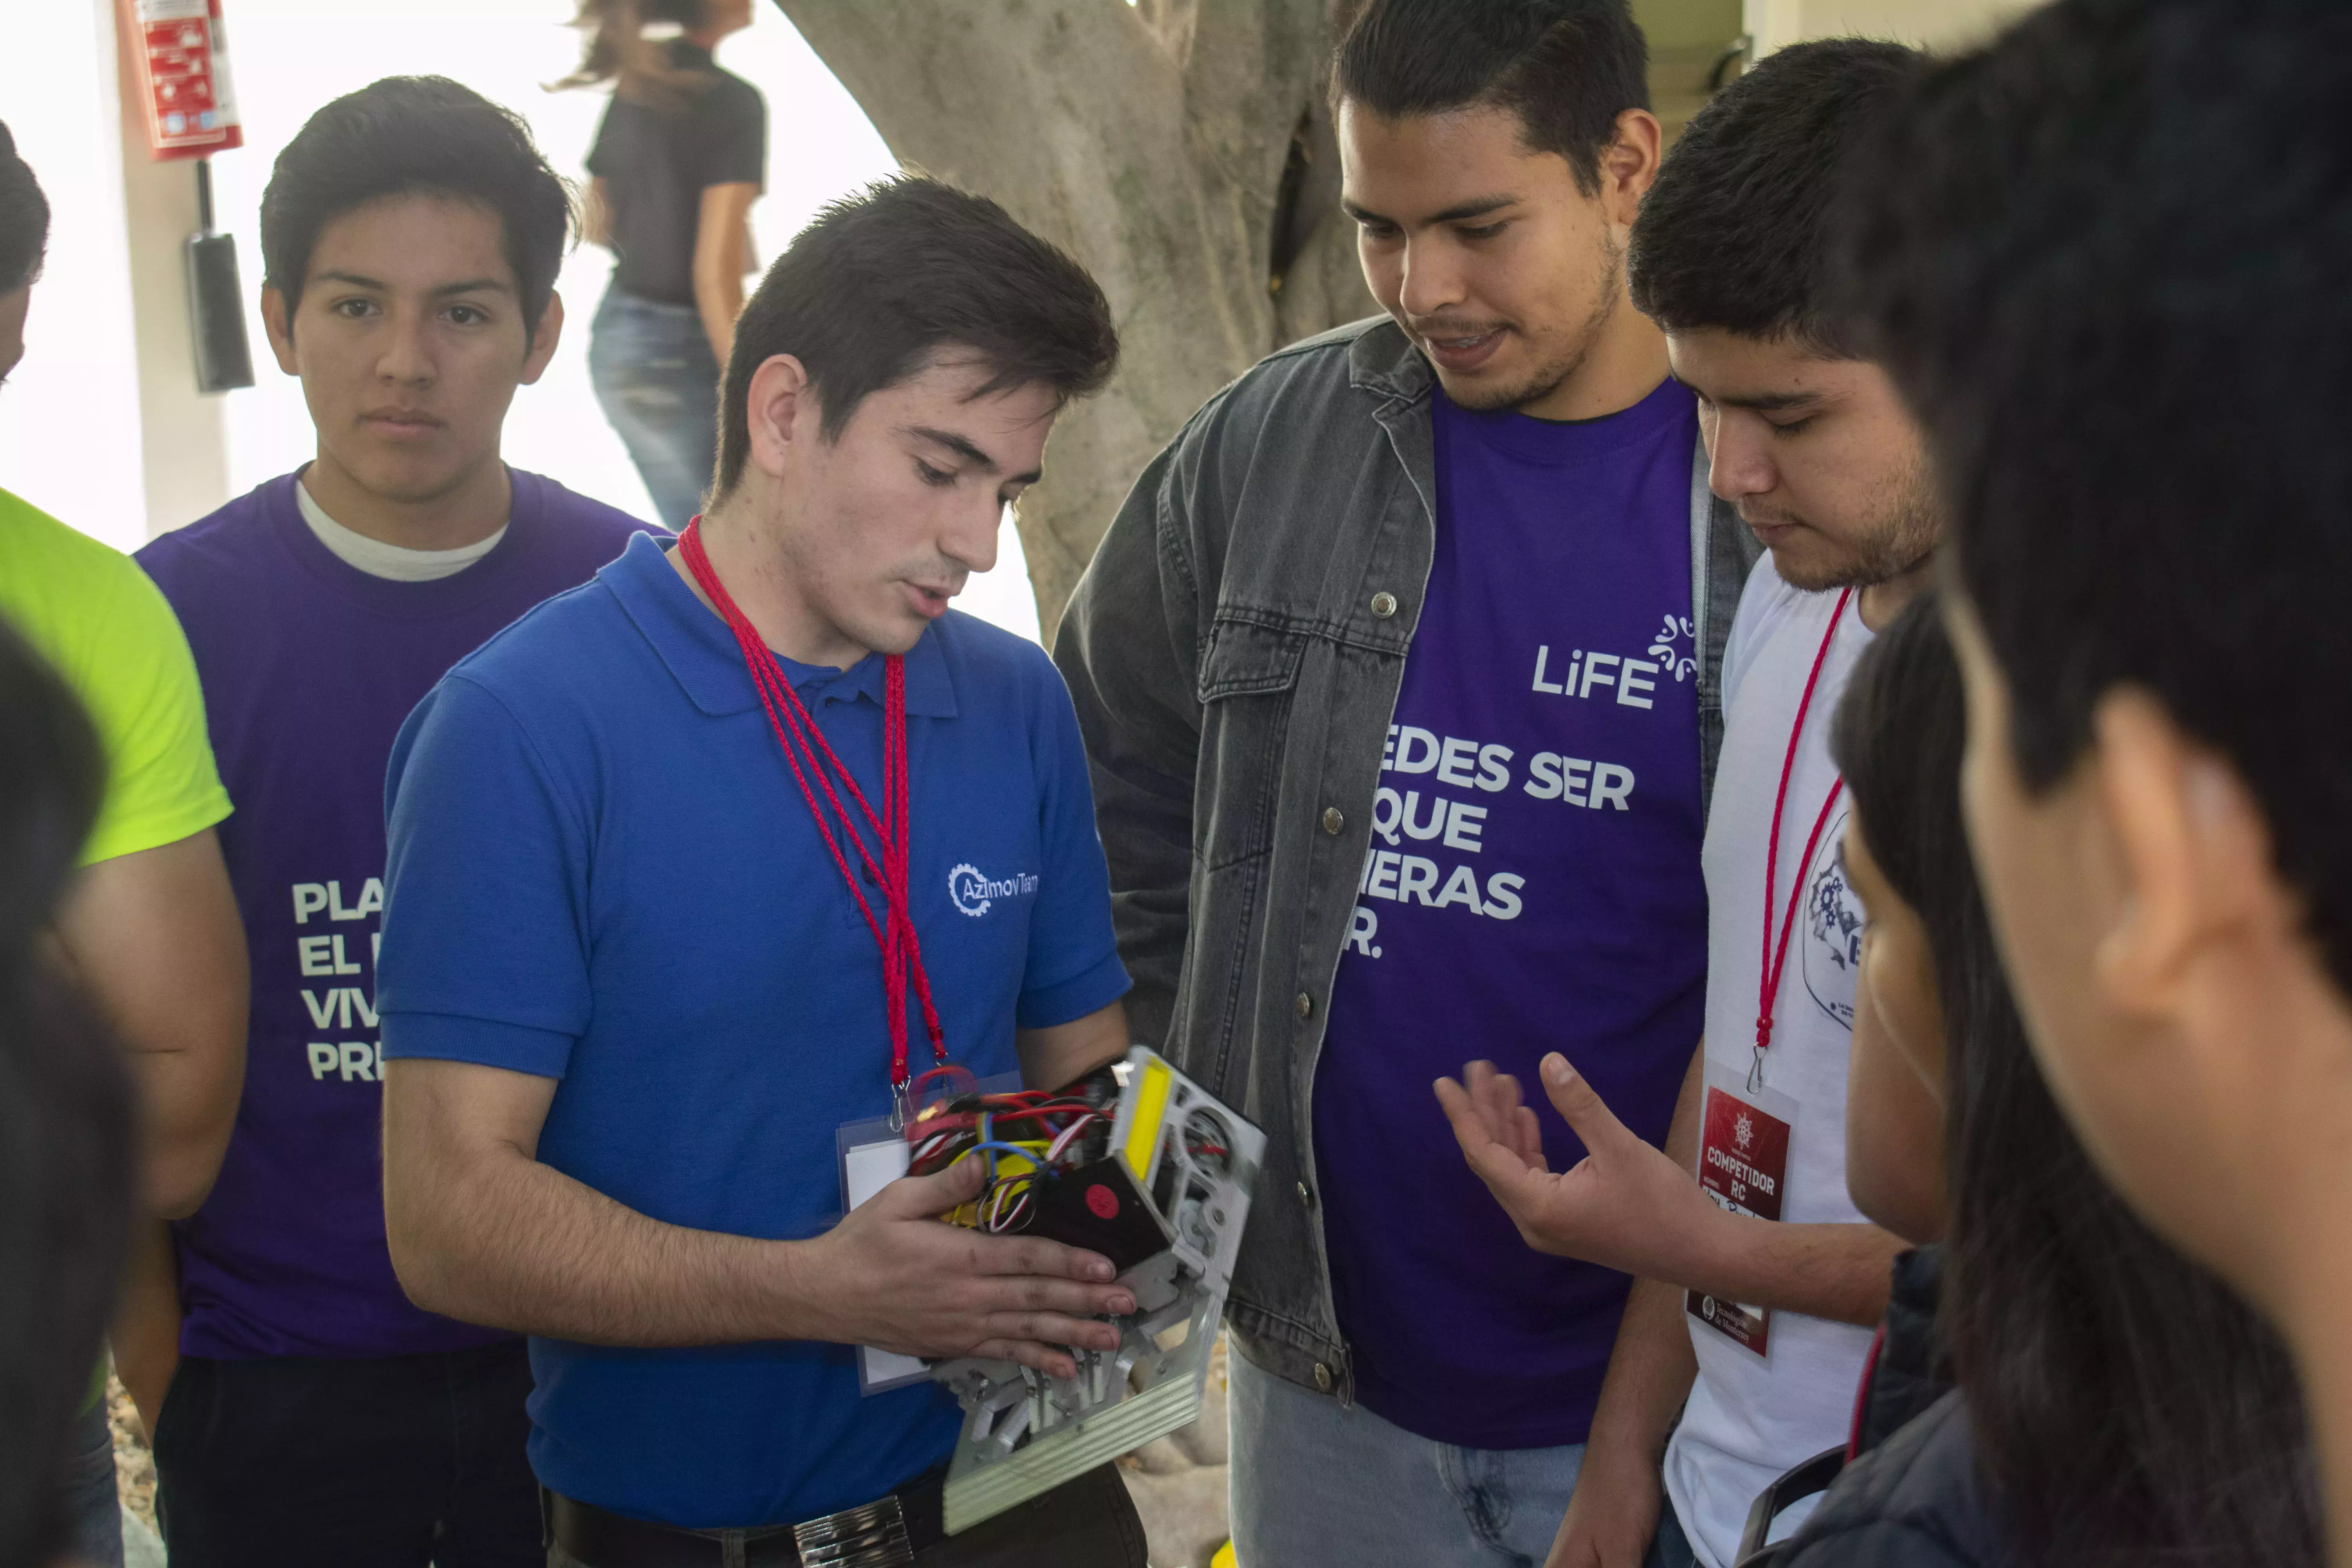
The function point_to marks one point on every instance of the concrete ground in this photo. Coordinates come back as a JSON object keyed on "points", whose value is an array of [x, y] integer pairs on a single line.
{"points": [[1178, 1483], [134, 1477]]}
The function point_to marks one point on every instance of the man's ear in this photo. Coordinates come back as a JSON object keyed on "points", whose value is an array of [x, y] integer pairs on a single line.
{"points": [[278, 322], [543, 339], [1630, 164], [782, 412], [2201, 895]]}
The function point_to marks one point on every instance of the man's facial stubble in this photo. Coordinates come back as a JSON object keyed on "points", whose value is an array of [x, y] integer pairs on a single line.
{"points": [[1906, 521]]}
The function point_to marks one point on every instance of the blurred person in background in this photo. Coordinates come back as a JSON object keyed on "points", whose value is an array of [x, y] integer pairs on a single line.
{"points": [[679, 160], [410, 236], [2116, 1405], [2130, 344], [148, 925], [67, 1153]]}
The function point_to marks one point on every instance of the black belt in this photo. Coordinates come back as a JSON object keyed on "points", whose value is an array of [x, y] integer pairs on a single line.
{"points": [[885, 1534]]}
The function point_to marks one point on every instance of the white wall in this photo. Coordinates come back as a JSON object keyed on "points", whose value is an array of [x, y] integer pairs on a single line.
{"points": [[70, 435], [70, 424]]}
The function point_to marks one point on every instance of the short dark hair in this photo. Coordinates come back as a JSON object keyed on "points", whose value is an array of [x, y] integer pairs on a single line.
{"points": [[24, 219], [2130, 348], [882, 280], [67, 1144], [1734, 233], [1567, 69], [416, 135], [2124, 1406]]}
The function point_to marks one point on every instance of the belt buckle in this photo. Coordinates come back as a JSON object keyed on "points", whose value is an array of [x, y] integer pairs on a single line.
{"points": [[873, 1536]]}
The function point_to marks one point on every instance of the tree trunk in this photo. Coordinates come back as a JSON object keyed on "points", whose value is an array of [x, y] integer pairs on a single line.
{"points": [[1178, 148]]}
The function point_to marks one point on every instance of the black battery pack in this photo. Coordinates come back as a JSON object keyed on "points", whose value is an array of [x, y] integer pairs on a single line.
{"points": [[1098, 1207]]}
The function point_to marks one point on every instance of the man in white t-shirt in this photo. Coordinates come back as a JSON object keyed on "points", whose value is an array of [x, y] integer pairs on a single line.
{"points": [[1758, 1283]]}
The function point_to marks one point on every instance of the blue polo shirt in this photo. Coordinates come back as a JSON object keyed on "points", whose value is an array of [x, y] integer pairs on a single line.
{"points": [[602, 872]]}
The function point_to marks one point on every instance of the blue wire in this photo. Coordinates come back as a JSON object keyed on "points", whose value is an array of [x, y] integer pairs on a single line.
{"points": [[991, 1148]]}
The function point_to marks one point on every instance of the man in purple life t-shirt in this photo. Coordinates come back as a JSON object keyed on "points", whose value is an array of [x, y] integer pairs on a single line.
{"points": [[410, 235], [1533, 886]]}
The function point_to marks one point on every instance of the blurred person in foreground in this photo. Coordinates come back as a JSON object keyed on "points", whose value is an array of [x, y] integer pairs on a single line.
{"points": [[1402, 674], [303, 1410], [1760, 1280], [680, 156], [148, 925], [2116, 1405], [67, 1178], [636, 978], [2131, 343]]}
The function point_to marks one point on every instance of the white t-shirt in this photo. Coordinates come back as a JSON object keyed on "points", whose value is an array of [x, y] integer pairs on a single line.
{"points": [[396, 561], [1751, 1417]]}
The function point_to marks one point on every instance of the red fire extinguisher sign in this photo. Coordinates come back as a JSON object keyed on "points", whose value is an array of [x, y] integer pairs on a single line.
{"points": [[181, 58]]}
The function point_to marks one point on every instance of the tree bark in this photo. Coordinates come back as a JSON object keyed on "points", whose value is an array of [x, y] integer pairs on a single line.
{"points": [[1151, 141]]}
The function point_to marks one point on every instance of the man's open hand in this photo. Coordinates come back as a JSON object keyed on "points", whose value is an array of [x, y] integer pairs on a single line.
{"points": [[892, 1275], [1624, 1205]]}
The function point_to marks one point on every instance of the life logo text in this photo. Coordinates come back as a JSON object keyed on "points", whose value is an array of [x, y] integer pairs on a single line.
{"points": [[976, 895]]}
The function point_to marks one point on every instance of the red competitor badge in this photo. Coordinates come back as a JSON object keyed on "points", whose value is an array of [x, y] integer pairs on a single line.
{"points": [[1743, 1165]]}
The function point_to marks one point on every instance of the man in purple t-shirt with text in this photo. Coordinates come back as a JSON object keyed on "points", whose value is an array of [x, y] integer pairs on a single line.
{"points": [[411, 236], [1400, 674]]}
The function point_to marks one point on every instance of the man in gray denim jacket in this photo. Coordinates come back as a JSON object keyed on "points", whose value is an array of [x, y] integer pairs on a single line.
{"points": [[1237, 652]]}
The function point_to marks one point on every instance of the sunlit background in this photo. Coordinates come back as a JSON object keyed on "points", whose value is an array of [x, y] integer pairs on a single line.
{"points": [[69, 425]]}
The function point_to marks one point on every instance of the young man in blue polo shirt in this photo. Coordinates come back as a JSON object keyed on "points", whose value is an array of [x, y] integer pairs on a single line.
{"points": [[686, 867]]}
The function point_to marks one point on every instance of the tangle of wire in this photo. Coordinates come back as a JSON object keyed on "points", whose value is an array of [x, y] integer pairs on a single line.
{"points": [[1042, 1132]]}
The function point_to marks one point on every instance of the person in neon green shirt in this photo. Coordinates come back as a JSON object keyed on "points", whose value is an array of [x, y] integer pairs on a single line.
{"points": [[149, 923], [149, 929], [94, 614]]}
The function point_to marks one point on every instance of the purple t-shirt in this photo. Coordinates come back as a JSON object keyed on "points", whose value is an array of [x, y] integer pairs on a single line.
{"points": [[308, 667], [1533, 886]]}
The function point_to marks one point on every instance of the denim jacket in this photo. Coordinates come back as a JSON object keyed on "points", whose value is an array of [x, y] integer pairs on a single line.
{"points": [[1234, 651]]}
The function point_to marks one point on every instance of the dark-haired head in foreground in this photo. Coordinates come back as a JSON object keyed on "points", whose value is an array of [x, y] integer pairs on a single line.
{"points": [[24, 240], [1731, 257], [411, 233], [2132, 344], [65, 1151], [2125, 1408], [1492, 153], [891, 387]]}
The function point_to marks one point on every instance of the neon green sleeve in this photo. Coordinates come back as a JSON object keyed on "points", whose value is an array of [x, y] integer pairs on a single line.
{"points": [[104, 626], [142, 694]]}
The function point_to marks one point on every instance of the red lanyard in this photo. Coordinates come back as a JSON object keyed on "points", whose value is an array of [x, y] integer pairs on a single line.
{"points": [[807, 751], [1777, 961]]}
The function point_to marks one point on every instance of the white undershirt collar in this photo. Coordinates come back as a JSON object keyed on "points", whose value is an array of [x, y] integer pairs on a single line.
{"points": [[395, 562]]}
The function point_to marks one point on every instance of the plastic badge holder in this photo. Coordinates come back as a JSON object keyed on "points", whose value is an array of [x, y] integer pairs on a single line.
{"points": [[1191, 1162], [873, 1153]]}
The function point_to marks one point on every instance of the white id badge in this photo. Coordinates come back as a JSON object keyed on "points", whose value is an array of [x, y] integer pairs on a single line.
{"points": [[1743, 1165], [873, 1154]]}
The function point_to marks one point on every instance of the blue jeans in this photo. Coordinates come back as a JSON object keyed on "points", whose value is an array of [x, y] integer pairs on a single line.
{"points": [[93, 1508], [1672, 1549], [1315, 1484], [657, 382]]}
